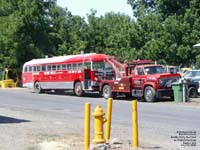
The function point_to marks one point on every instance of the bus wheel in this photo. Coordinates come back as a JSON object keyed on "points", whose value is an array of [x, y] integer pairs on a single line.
{"points": [[78, 90], [149, 94], [107, 92], [37, 87]]}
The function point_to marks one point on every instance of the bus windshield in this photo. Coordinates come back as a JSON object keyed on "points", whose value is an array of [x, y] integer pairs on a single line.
{"points": [[102, 66], [104, 70], [154, 69]]}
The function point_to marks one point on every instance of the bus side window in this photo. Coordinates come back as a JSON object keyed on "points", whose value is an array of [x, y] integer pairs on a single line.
{"points": [[26, 69], [53, 67], [69, 67], [74, 66], [43, 68], [49, 68], [34, 68], [38, 68], [30, 68], [59, 67], [79, 66], [63, 67]]}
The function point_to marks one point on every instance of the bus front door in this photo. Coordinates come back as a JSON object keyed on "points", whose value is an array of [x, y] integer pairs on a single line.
{"points": [[87, 78]]}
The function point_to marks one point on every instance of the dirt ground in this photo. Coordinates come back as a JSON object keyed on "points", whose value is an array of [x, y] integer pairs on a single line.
{"points": [[23, 129], [37, 130]]}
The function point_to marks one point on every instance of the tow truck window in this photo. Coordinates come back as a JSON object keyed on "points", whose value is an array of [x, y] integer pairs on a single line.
{"points": [[154, 70], [140, 71]]}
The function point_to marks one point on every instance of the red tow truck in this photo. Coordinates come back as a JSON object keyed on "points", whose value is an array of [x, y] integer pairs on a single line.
{"points": [[142, 79]]}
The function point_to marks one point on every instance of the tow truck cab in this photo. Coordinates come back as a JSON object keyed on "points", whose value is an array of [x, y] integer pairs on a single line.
{"points": [[141, 79], [151, 81]]}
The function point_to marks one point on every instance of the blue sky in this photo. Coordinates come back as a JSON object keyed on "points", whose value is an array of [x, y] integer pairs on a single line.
{"points": [[82, 7]]}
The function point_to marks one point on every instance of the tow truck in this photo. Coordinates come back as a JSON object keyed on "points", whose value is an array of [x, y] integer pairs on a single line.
{"points": [[141, 79]]}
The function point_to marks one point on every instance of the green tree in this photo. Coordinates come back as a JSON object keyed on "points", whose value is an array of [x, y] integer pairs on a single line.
{"points": [[24, 28], [169, 29], [111, 34], [69, 31]]}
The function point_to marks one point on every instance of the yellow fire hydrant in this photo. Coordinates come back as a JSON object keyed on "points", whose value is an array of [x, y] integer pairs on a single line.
{"points": [[99, 120]]}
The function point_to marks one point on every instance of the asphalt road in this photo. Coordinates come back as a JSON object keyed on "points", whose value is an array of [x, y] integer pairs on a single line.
{"points": [[162, 125]]}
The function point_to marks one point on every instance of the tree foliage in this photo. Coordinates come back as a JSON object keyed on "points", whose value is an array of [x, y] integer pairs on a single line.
{"points": [[161, 30], [170, 29]]}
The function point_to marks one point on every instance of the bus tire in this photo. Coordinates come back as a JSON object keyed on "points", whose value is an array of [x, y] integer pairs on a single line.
{"points": [[78, 90], [149, 94], [37, 88], [107, 92]]}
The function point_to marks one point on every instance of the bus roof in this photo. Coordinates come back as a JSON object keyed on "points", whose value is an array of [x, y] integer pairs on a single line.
{"points": [[68, 59]]}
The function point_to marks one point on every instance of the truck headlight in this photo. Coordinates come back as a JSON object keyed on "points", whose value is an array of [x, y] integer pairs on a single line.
{"points": [[161, 82]]}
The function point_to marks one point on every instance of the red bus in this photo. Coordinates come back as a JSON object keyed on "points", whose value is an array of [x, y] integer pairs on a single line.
{"points": [[79, 73]]}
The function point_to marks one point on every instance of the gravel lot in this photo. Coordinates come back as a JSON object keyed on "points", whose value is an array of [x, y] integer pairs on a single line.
{"points": [[25, 129], [35, 130]]}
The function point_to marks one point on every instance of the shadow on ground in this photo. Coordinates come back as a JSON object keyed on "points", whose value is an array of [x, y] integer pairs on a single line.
{"points": [[97, 95], [4, 119], [70, 93], [156, 147]]}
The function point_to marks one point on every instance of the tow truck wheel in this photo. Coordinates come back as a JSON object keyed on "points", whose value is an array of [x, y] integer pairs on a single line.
{"points": [[78, 90], [149, 94], [107, 92], [192, 92], [37, 88]]}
